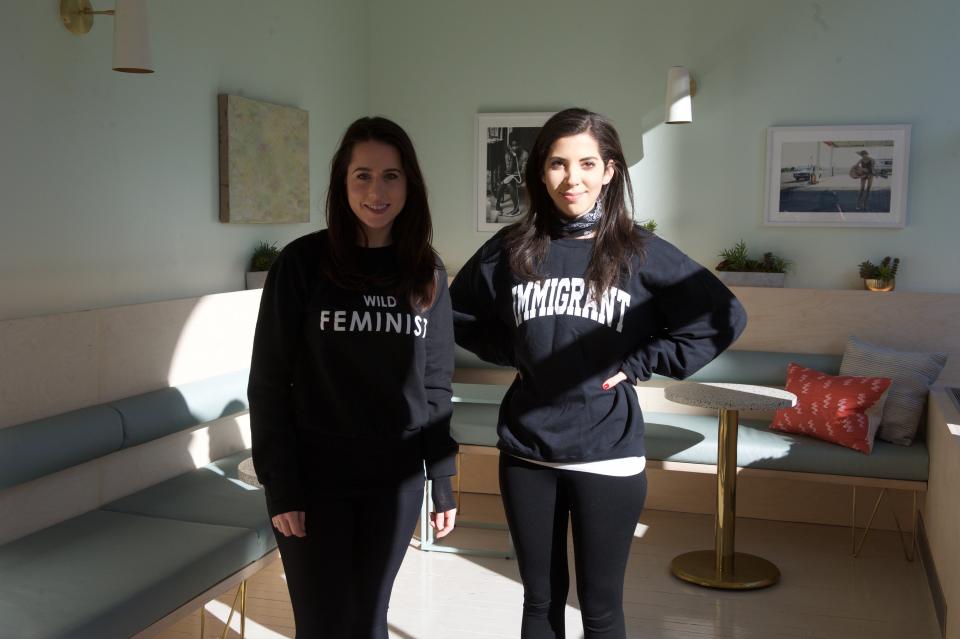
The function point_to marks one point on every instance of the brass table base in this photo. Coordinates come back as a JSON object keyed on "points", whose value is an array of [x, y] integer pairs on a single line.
{"points": [[749, 571]]}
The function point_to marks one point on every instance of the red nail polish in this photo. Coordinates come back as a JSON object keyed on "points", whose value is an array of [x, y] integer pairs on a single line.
{"points": [[606, 386]]}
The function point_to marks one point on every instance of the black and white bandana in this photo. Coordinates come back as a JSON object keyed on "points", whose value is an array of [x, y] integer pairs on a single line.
{"points": [[565, 227]]}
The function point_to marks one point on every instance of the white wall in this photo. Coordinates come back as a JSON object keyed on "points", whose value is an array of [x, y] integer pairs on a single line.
{"points": [[108, 181], [759, 63]]}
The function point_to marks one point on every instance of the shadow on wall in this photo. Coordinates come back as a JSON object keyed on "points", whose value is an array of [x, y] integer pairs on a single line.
{"points": [[128, 357], [190, 357], [56, 363]]}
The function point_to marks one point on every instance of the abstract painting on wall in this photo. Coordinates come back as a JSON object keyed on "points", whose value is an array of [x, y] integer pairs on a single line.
{"points": [[264, 162]]}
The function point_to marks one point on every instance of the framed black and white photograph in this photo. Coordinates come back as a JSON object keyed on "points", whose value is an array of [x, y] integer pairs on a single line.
{"points": [[837, 176], [503, 143]]}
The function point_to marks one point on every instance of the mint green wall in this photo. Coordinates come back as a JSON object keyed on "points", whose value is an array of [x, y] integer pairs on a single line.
{"points": [[109, 180], [434, 64]]}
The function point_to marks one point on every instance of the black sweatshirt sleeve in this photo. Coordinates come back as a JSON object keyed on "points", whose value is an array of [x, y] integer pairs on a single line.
{"points": [[476, 324], [699, 316], [270, 390], [442, 491], [439, 448]]}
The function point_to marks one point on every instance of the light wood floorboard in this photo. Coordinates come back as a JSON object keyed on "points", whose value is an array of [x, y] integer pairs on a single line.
{"points": [[824, 592]]}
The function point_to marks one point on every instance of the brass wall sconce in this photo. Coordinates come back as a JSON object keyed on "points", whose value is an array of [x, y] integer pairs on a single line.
{"points": [[680, 90], [131, 37]]}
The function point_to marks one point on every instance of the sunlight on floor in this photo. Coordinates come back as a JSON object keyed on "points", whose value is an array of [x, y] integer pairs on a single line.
{"points": [[824, 593], [254, 630]]}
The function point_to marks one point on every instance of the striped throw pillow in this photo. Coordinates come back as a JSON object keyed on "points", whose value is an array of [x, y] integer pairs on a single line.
{"points": [[912, 374]]}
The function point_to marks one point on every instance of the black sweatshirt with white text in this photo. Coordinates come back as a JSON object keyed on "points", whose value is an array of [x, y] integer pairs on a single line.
{"points": [[349, 390], [671, 317]]}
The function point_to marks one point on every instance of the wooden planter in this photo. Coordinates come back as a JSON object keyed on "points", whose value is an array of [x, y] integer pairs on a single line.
{"points": [[745, 278]]}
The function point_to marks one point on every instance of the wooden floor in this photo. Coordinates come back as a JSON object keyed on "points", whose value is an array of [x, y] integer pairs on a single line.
{"points": [[824, 593]]}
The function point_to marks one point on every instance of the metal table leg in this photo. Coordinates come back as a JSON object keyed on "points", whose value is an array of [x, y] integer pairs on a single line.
{"points": [[723, 567]]}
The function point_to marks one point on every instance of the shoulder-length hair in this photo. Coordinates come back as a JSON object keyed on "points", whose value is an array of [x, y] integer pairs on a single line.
{"points": [[412, 231], [617, 239]]}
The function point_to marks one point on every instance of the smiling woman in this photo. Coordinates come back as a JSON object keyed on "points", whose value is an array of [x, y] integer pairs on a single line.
{"points": [[376, 189], [579, 299], [350, 390], [575, 174]]}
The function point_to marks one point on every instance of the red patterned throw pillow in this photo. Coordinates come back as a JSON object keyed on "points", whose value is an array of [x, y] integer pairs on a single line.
{"points": [[838, 409]]}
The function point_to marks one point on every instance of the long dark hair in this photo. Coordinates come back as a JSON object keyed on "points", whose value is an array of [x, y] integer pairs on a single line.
{"points": [[617, 237], [412, 230]]}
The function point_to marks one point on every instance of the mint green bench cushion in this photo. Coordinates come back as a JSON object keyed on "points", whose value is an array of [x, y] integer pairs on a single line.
{"points": [[40, 447], [106, 574], [760, 367], [478, 393], [474, 424], [152, 415], [209, 495], [465, 359], [693, 439], [735, 367]]}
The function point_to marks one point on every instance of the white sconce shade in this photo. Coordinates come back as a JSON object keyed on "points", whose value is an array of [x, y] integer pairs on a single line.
{"points": [[131, 35], [131, 38], [680, 88]]}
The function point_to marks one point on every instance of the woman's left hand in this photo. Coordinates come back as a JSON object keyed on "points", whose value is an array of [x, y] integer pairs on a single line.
{"points": [[443, 522], [613, 381]]}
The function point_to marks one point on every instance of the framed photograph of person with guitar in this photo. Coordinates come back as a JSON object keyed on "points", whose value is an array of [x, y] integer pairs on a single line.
{"points": [[837, 176], [503, 143]]}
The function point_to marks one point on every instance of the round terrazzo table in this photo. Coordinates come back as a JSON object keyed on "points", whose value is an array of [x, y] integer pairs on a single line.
{"points": [[247, 474], [722, 567]]}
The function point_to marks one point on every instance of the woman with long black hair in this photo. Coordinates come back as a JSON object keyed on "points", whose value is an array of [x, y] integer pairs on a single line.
{"points": [[350, 388], [580, 299]]}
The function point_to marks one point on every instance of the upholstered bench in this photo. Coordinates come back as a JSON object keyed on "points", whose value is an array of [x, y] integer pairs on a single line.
{"points": [[680, 441], [114, 571]]}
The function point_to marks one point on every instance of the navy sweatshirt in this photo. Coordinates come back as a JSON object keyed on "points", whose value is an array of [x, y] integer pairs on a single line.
{"points": [[349, 390], [671, 318]]}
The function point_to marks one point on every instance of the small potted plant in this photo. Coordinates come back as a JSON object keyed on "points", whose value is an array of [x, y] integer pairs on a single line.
{"points": [[264, 255], [880, 277], [649, 225], [738, 269]]}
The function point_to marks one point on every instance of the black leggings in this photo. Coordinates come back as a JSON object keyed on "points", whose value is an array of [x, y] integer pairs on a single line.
{"points": [[604, 512], [340, 575]]}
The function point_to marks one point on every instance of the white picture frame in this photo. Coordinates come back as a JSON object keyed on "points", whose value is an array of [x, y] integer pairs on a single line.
{"points": [[853, 176], [497, 179]]}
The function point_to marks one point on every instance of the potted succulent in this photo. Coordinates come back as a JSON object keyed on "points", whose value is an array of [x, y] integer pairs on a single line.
{"points": [[737, 269], [264, 255], [880, 277]]}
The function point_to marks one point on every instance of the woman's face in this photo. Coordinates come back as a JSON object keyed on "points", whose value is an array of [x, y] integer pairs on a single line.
{"points": [[574, 174], [376, 188]]}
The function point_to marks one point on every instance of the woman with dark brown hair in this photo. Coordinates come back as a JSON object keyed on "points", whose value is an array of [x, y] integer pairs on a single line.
{"points": [[580, 299], [350, 388]]}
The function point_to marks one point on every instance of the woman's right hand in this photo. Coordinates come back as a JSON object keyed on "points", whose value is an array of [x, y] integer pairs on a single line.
{"points": [[291, 523]]}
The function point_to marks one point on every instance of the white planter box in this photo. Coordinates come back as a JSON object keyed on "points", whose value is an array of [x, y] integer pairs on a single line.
{"points": [[256, 279], [742, 278]]}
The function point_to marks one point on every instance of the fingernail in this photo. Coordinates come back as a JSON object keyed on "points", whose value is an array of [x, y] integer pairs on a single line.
{"points": [[606, 386]]}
